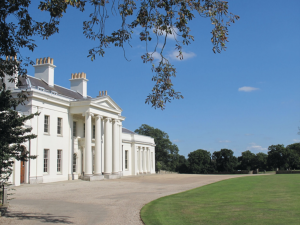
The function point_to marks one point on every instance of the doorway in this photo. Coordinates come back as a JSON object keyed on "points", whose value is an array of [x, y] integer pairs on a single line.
{"points": [[22, 172]]}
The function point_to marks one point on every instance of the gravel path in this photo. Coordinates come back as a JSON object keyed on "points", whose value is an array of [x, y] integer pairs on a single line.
{"points": [[100, 202]]}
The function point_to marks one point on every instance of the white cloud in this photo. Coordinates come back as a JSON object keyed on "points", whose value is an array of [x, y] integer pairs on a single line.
{"points": [[224, 141], [186, 55], [248, 89], [248, 134], [155, 55], [177, 140], [256, 147], [296, 140]]}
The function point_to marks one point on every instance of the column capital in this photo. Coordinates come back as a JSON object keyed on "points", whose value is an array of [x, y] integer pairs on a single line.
{"points": [[99, 116], [108, 119], [87, 113], [116, 120]]}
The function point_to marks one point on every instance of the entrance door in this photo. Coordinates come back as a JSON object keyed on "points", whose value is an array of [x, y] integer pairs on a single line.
{"points": [[22, 173]]}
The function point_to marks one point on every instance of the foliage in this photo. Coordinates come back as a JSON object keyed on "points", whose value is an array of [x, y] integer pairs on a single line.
{"points": [[13, 134], [183, 165], [155, 18], [224, 160], [166, 153], [247, 160], [282, 158], [260, 161], [200, 162]]}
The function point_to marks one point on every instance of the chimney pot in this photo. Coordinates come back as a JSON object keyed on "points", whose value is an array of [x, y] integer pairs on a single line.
{"points": [[37, 61], [44, 61], [105, 92], [51, 61], [48, 60], [41, 60]]}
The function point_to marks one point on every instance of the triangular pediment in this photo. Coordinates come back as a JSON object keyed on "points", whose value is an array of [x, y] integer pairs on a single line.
{"points": [[107, 102]]}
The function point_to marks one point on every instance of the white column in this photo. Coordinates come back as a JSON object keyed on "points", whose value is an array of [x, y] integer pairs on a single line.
{"points": [[98, 166], [141, 160], [116, 155], [121, 149], [108, 146], [145, 161], [149, 160], [88, 149]]}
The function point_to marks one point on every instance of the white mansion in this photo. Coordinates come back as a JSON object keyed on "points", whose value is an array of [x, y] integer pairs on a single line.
{"points": [[78, 137]]}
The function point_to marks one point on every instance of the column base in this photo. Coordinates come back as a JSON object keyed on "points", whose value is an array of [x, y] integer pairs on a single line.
{"points": [[112, 176], [93, 178]]}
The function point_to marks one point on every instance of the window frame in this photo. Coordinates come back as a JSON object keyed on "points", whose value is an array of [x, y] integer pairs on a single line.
{"points": [[74, 165], [59, 161], [47, 125], [75, 129], [60, 126], [46, 161], [126, 159]]}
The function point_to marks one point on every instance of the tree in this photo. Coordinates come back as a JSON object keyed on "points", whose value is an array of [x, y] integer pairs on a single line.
{"points": [[260, 161], [282, 158], [13, 134], [166, 153], [183, 165], [247, 160], [156, 18], [225, 161], [200, 162]]}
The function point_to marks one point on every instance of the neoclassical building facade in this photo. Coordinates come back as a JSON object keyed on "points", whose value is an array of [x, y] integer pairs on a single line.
{"points": [[78, 137]]}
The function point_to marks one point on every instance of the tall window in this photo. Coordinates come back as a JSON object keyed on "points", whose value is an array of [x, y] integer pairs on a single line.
{"points": [[46, 157], [59, 125], [84, 130], [74, 163], [59, 161], [126, 159], [74, 129], [94, 131], [46, 124]]}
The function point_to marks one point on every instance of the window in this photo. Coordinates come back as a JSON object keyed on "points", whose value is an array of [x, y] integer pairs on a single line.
{"points": [[74, 129], [59, 161], [46, 157], [59, 125], [126, 159], [46, 124], [84, 130], [94, 131], [74, 163]]}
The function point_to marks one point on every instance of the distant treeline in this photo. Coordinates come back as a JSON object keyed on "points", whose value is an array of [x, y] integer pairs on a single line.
{"points": [[201, 161]]}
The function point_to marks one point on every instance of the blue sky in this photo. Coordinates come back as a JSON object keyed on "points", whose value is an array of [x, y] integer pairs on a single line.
{"points": [[246, 98]]}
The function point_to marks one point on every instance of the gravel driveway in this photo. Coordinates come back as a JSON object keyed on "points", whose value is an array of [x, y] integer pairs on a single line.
{"points": [[100, 202]]}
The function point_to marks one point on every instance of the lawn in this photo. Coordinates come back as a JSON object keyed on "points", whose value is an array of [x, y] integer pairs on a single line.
{"points": [[273, 199]]}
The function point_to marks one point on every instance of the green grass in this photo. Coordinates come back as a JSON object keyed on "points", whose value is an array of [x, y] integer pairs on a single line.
{"points": [[273, 199]]}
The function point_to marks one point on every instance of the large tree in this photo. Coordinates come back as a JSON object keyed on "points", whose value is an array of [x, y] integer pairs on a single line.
{"points": [[166, 153], [200, 162], [225, 160], [247, 160], [156, 18], [13, 135], [282, 158]]}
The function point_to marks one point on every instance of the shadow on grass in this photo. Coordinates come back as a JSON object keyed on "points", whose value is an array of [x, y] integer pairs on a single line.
{"points": [[38, 217]]}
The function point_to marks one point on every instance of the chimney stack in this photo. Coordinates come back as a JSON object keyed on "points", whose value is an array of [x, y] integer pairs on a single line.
{"points": [[44, 69], [79, 83]]}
